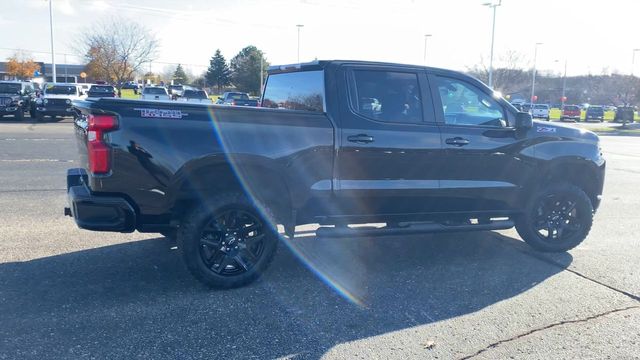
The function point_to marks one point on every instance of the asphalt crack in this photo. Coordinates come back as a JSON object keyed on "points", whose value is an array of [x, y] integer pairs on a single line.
{"points": [[564, 322], [565, 268], [547, 327]]}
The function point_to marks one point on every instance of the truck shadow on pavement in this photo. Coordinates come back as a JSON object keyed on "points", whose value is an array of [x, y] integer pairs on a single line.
{"points": [[137, 300]]}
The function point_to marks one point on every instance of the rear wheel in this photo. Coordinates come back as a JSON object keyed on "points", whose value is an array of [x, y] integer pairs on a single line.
{"points": [[556, 219], [226, 242]]}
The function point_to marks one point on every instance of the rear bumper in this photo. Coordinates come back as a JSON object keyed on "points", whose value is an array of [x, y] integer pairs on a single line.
{"points": [[96, 212]]}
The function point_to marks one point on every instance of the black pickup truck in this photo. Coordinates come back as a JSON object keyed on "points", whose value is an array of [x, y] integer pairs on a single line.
{"points": [[334, 143]]}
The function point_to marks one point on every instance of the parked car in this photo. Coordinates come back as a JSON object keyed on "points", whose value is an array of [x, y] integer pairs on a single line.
{"points": [[540, 111], [526, 107], [447, 156], [131, 85], [84, 88], [196, 96], [16, 98], [155, 93], [237, 99], [56, 101], [594, 113], [570, 112], [102, 91], [176, 91], [624, 114]]}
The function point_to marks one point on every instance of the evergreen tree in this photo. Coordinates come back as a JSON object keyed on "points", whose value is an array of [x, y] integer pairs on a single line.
{"points": [[218, 73], [245, 69], [180, 76]]}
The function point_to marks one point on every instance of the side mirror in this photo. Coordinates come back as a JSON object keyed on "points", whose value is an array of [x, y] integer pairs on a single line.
{"points": [[524, 120]]}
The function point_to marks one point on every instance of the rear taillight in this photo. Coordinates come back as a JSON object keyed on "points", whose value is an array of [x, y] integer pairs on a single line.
{"points": [[99, 151]]}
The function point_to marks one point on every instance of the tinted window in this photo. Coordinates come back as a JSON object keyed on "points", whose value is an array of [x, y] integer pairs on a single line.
{"points": [[542, 107], [238, 96], [387, 96], [102, 89], [571, 108], [302, 90], [465, 104], [195, 94], [61, 90]]}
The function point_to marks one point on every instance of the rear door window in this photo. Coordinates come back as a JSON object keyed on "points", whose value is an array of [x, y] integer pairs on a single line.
{"points": [[387, 96], [302, 90]]}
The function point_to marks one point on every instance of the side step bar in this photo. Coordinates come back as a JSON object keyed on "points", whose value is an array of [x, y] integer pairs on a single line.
{"points": [[344, 231]]}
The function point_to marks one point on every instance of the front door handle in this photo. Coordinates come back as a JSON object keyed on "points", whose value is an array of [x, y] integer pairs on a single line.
{"points": [[457, 141], [360, 138]]}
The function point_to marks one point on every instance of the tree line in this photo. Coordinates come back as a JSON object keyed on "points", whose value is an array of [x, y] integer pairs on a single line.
{"points": [[512, 79], [118, 50]]}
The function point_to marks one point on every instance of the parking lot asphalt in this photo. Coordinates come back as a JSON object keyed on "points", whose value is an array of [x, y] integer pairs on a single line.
{"points": [[69, 293]]}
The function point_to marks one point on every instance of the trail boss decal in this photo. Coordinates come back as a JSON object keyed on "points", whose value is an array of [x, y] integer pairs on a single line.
{"points": [[161, 113], [544, 129]]}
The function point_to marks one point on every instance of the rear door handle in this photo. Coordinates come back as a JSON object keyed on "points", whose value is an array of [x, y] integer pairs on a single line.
{"points": [[360, 138], [457, 141]]}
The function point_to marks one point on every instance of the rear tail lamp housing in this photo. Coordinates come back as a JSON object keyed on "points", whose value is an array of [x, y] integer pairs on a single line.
{"points": [[99, 150]]}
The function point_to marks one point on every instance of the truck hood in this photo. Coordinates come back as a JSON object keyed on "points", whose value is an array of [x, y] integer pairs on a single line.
{"points": [[545, 128]]}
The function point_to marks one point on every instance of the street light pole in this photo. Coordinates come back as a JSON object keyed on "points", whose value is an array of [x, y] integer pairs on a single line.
{"points": [[493, 36], [633, 60], [299, 27], [564, 83], [261, 72], [533, 81], [426, 36], [53, 57]]}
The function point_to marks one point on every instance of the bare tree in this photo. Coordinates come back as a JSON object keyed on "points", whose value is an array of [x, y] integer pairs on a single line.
{"points": [[508, 75], [117, 49]]}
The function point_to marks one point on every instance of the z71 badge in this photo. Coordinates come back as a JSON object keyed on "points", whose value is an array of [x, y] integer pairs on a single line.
{"points": [[161, 113], [544, 129]]}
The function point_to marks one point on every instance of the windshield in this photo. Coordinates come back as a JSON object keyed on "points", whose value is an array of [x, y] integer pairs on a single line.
{"points": [[176, 87], [155, 91], [6, 88], [542, 107], [61, 90]]}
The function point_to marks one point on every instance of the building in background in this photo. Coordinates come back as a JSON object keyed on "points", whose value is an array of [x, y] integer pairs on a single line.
{"points": [[65, 73]]}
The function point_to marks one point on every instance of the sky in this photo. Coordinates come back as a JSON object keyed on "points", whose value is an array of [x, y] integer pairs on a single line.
{"points": [[592, 36]]}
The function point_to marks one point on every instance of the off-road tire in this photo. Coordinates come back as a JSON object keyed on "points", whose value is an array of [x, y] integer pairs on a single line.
{"points": [[191, 230], [527, 228]]}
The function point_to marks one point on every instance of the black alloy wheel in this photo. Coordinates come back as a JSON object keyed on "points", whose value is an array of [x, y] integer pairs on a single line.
{"points": [[556, 219], [226, 241], [232, 242]]}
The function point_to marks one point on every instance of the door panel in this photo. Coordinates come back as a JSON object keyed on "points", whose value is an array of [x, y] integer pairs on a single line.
{"points": [[484, 165], [389, 143]]}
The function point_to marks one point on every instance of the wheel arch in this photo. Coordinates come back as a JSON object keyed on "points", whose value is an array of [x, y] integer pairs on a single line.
{"points": [[576, 171], [256, 177]]}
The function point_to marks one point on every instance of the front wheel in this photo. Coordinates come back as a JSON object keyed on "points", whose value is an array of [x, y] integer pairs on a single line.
{"points": [[556, 219], [226, 242]]}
